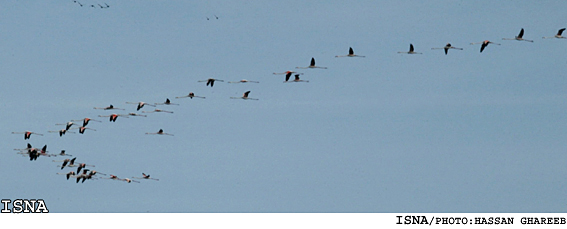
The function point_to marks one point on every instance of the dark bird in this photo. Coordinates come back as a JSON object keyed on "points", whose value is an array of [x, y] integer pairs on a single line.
{"points": [[447, 47]]}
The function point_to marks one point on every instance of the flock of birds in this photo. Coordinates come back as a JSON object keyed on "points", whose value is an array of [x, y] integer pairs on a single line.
{"points": [[82, 173], [92, 5]]}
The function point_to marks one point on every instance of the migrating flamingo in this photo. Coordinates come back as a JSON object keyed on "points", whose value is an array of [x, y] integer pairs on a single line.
{"points": [[244, 96], [157, 110], [312, 65], [86, 121], [68, 175], [519, 37], [61, 154], [61, 132], [129, 180], [33, 154], [484, 44], [286, 73], [244, 81], [447, 47], [83, 176], [67, 125], [140, 105], [134, 114], [27, 134], [82, 129], [160, 132], [295, 80], [111, 107], [167, 102], [350, 53], [67, 162], [146, 176], [191, 95], [411, 50], [558, 35], [113, 117], [210, 81]]}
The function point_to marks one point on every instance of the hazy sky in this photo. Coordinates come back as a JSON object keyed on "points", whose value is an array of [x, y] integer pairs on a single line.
{"points": [[463, 132]]}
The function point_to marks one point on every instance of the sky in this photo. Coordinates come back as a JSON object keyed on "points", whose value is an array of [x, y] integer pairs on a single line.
{"points": [[464, 132]]}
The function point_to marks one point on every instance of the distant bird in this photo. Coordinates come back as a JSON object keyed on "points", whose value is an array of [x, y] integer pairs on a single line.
{"points": [[207, 18], [244, 96], [25, 150], [295, 80], [411, 50], [157, 110], [140, 105], [107, 6], [129, 180], [146, 176], [33, 154], [85, 121], [312, 65], [558, 35], [102, 7], [113, 117], [484, 44], [134, 114], [67, 125], [210, 81], [61, 154], [83, 176], [82, 129], [112, 177], [108, 108], [167, 102], [244, 81], [190, 95], [68, 175], [350, 53], [287, 73], [61, 132], [79, 3], [70, 162], [216, 17], [519, 37], [447, 47], [160, 132], [27, 134]]}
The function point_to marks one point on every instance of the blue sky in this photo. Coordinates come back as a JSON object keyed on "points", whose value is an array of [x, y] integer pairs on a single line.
{"points": [[463, 132]]}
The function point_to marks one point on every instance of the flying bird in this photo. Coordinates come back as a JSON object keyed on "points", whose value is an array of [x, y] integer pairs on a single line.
{"points": [[134, 114], [312, 65], [244, 81], [86, 121], [167, 102], [160, 132], [191, 95], [108, 108], [157, 110], [558, 35], [210, 81], [67, 125], [27, 134], [411, 50], [519, 37], [244, 96], [140, 105], [447, 47], [484, 44], [113, 117], [61, 132], [295, 80], [82, 129], [146, 176], [350, 53]]}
